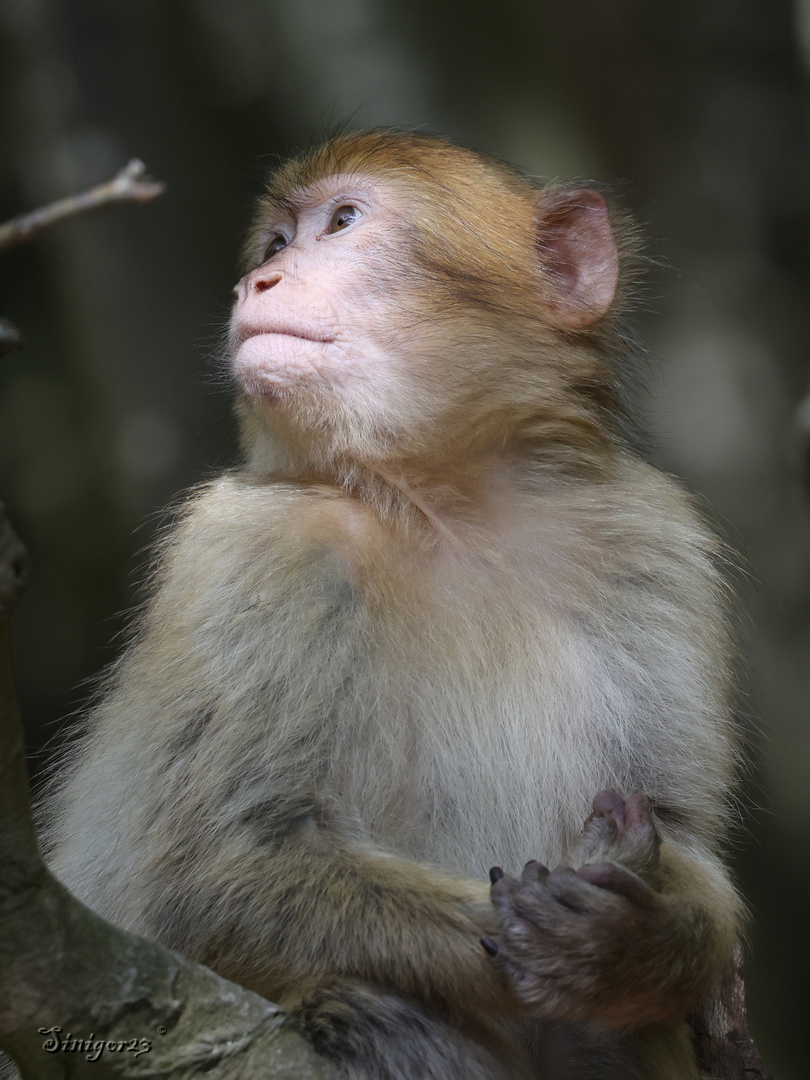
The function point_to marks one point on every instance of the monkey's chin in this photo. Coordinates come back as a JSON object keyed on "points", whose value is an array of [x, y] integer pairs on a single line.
{"points": [[271, 367]]}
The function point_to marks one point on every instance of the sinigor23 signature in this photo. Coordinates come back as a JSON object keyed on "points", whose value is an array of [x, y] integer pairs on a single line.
{"points": [[91, 1047]]}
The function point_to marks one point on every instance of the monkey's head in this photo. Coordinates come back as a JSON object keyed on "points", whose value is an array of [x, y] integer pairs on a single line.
{"points": [[409, 300]]}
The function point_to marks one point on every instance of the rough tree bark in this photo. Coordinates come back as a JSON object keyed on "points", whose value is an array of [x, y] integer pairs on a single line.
{"points": [[723, 1042]]}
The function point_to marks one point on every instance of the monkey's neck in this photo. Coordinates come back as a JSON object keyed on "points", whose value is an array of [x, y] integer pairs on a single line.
{"points": [[453, 504], [423, 503]]}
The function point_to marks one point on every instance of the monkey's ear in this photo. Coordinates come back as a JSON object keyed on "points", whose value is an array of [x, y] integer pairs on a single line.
{"points": [[578, 252]]}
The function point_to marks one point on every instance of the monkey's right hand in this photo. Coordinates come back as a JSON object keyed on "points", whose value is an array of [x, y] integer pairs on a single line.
{"points": [[596, 940]]}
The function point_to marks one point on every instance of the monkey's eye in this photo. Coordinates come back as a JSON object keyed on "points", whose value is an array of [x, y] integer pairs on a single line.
{"points": [[276, 244], [342, 218]]}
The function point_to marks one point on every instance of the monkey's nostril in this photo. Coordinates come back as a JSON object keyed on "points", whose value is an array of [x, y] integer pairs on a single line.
{"points": [[267, 281]]}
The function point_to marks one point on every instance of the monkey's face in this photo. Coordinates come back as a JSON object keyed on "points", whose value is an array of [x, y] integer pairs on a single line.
{"points": [[310, 320], [411, 300], [335, 334]]}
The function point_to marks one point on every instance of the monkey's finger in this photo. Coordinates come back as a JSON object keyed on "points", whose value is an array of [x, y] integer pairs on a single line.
{"points": [[638, 813], [502, 884], [534, 873], [600, 828], [619, 879], [518, 904], [610, 805], [570, 890]]}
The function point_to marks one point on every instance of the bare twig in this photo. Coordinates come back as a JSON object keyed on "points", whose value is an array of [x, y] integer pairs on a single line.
{"points": [[130, 185]]}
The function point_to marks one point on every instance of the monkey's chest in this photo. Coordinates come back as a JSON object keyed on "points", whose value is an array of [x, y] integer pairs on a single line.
{"points": [[447, 733], [449, 718]]}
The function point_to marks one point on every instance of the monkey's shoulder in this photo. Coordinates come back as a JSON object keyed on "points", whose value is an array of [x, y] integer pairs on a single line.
{"points": [[294, 515], [241, 536], [239, 533]]}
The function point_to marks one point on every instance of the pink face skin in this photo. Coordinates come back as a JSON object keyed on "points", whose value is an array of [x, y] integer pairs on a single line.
{"points": [[311, 317]]}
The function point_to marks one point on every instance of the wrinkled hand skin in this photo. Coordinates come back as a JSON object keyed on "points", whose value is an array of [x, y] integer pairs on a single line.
{"points": [[597, 940]]}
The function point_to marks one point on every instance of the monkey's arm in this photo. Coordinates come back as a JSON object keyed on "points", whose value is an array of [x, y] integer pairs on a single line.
{"points": [[204, 768], [634, 930], [281, 921]]}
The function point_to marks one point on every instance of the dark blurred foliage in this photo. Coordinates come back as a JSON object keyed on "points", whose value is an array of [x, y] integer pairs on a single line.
{"points": [[698, 108]]}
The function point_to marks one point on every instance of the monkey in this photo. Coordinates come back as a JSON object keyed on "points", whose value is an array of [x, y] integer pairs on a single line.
{"points": [[441, 614]]}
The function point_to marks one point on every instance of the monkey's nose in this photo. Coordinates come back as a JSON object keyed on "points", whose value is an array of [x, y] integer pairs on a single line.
{"points": [[265, 281]]}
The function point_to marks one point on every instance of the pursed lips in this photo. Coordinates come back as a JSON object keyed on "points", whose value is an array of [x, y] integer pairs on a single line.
{"points": [[245, 333]]}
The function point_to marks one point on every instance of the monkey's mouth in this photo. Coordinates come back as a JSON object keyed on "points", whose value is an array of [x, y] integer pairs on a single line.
{"points": [[245, 333], [273, 362]]}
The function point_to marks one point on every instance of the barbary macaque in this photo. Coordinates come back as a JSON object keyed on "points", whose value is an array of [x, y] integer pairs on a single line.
{"points": [[439, 616]]}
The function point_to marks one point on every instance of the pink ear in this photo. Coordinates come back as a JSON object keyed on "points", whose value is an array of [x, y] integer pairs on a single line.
{"points": [[578, 253]]}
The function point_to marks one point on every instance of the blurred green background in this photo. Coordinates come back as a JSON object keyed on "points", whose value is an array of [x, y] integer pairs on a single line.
{"points": [[696, 111]]}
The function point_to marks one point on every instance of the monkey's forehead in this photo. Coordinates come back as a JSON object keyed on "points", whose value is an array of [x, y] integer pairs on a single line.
{"points": [[351, 185], [419, 160]]}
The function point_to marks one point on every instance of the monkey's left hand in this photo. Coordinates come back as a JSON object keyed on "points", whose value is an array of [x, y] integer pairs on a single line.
{"points": [[597, 939]]}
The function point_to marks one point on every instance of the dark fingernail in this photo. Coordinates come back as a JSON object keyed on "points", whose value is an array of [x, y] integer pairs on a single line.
{"points": [[495, 874], [489, 946]]}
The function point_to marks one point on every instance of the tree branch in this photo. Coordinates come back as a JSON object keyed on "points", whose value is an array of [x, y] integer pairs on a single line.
{"points": [[723, 1042], [129, 185]]}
